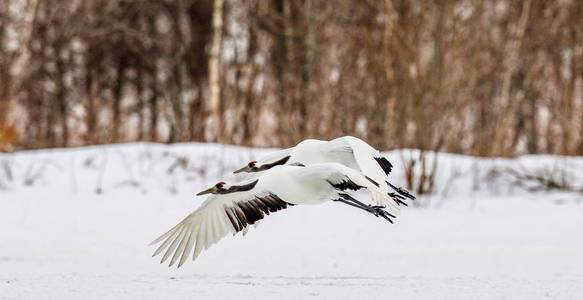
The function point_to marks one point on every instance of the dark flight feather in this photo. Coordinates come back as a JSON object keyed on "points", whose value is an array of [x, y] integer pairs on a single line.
{"points": [[248, 212], [385, 164]]}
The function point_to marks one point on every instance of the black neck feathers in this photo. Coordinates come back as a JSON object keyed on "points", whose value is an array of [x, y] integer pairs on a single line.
{"points": [[238, 188], [271, 165]]}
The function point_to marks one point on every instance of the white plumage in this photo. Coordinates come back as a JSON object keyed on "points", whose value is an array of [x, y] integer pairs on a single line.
{"points": [[348, 151], [233, 208]]}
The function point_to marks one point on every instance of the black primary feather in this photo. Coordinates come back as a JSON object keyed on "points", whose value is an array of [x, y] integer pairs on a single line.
{"points": [[385, 164], [249, 212]]}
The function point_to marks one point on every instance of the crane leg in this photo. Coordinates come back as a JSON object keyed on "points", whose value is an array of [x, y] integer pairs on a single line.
{"points": [[401, 191], [375, 210]]}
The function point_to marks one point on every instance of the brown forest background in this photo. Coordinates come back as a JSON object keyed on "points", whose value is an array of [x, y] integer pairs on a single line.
{"points": [[487, 78]]}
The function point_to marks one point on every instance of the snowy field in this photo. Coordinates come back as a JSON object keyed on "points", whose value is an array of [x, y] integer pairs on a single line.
{"points": [[76, 224]]}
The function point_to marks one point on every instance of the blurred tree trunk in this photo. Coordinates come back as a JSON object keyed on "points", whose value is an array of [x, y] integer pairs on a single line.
{"points": [[91, 90], [233, 124], [288, 80], [578, 75], [309, 47], [140, 103], [568, 98], [389, 74], [508, 105], [532, 131], [153, 105], [200, 15], [117, 98], [62, 102], [5, 141], [176, 104], [18, 66], [215, 89], [249, 111], [4, 67], [436, 71], [179, 85], [47, 108], [4, 64], [197, 115]]}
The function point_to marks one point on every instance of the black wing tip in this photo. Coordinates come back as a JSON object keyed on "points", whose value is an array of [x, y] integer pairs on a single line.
{"points": [[401, 202], [395, 195], [385, 164]]}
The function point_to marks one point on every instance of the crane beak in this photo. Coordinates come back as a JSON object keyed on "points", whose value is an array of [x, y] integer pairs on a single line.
{"points": [[243, 169], [208, 191]]}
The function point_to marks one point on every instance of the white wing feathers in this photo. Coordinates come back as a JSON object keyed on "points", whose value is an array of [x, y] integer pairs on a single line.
{"points": [[202, 228], [365, 158], [218, 216], [275, 156]]}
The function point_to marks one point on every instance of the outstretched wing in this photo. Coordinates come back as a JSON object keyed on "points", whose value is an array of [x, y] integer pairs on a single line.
{"points": [[218, 216]]}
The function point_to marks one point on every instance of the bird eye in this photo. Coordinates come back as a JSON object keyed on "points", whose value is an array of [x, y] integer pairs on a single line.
{"points": [[252, 164]]}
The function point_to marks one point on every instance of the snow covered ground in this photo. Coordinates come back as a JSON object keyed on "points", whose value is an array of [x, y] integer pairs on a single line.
{"points": [[76, 223]]}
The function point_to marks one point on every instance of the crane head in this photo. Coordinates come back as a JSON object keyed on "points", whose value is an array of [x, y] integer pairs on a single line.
{"points": [[248, 168], [216, 189]]}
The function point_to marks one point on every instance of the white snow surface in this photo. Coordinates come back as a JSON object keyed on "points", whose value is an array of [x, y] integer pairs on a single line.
{"points": [[76, 224]]}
